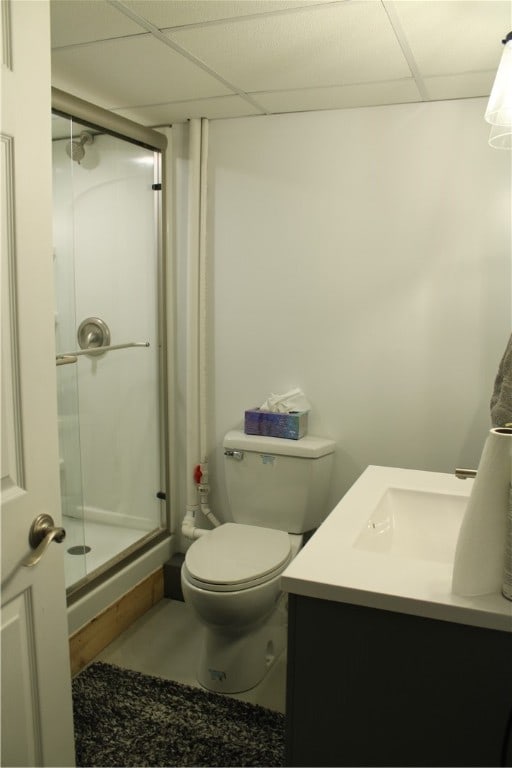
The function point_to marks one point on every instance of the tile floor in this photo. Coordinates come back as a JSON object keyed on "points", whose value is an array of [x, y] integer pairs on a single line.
{"points": [[165, 643]]}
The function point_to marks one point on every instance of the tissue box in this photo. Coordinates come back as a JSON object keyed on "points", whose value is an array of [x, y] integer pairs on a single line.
{"points": [[290, 425]]}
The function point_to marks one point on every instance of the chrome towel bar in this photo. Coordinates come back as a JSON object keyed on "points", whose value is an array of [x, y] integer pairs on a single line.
{"points": [[64, 358]]}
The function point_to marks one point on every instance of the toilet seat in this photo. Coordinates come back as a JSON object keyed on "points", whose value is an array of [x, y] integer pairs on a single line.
{"points": [[234, 557]]}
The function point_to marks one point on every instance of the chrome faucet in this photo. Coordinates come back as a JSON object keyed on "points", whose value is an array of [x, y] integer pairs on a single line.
{"points": [[463, 474]]}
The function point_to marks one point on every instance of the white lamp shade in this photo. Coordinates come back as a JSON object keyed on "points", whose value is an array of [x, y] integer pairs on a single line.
{"points": [[499, 108], [500, 137]]}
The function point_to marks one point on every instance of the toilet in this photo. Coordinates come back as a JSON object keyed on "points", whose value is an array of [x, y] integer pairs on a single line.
{"points": [[277, 491]]}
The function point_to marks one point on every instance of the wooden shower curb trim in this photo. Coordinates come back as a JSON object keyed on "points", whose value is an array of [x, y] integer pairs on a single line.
{"points": [[88, 641]]}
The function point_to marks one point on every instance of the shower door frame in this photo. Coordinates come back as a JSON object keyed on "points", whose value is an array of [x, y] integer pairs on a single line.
{"points": [[73, 108]]}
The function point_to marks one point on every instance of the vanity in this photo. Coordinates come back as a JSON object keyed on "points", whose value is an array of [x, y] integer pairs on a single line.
{"points": [[386, 667]]}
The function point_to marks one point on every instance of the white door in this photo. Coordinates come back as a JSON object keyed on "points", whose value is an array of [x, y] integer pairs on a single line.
{"points": [[37, 726]]}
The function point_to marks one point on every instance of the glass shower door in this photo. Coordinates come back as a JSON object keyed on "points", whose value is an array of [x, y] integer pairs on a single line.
{"points": [[109, 320]]}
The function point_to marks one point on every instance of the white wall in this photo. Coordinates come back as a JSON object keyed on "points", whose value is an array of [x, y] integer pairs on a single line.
{"points": [[363, 255]]}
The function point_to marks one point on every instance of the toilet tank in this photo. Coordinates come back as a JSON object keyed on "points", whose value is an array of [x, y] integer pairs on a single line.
{"points": [[278, 483]]}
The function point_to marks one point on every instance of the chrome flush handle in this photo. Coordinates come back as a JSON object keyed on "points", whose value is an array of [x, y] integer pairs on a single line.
{"points": [[238, 455], [463, 474], [42, 532]]}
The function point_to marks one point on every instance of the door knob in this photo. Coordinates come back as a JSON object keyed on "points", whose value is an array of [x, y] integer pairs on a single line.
{"points": [[42, 532]]}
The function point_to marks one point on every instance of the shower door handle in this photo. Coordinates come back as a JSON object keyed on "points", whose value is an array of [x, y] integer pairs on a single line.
{"points": [[65, 359], [42, 532]]}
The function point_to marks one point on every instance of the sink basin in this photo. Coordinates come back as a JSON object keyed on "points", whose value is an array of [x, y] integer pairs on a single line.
{"points": [[412, 523], [390, 544]]}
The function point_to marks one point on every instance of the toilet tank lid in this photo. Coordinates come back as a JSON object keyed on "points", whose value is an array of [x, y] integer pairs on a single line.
{"points": [[308, 447]]}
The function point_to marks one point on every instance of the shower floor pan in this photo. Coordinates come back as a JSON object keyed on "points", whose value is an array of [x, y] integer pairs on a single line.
{"points": [[102, 542]]}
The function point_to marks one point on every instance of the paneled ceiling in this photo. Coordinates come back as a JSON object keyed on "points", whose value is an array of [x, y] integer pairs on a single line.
{"points": [[164, 61]]}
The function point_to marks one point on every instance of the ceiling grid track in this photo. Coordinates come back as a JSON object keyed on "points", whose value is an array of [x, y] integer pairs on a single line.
{"points": [[183, 52], [388, 6]]}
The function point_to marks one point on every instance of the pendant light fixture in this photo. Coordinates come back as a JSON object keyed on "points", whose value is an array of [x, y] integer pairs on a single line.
{"points": [[499, 108]]}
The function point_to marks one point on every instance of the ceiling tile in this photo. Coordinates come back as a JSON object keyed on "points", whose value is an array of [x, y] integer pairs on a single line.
{"points": [[467, 85], [130, 71], [180, 112], [339, 97], [177, 13], [335, 44], [80, 21], [454, 36], [289, 55]]}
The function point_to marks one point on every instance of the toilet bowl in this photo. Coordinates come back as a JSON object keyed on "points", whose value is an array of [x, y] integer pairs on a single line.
{"points": [[231, 580], [277, 491]]}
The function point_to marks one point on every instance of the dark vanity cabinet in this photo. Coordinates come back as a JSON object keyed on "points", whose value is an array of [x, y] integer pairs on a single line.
{"points": [[369, 687]]}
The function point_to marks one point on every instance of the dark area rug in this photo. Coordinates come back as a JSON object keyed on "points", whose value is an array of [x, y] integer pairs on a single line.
{"points": [[124, 718]]}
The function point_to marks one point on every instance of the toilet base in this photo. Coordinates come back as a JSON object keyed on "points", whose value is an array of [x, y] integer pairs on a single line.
{"points": [[231, 663]]}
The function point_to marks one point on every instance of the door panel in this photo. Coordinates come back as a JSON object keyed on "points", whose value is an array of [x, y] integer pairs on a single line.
{"points": [[19, 716], [37, 726]]}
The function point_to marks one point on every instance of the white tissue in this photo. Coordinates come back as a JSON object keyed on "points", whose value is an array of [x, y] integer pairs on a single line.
{"points": [[288, 402]]}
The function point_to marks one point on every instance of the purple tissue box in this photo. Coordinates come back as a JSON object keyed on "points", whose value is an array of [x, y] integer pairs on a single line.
{"points": [[290, 425]]}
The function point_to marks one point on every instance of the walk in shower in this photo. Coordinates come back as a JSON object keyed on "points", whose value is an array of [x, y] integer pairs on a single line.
{"points": [[110, 345]]}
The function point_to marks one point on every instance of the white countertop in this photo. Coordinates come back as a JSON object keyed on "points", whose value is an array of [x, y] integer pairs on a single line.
{"points": [[330, 567]]}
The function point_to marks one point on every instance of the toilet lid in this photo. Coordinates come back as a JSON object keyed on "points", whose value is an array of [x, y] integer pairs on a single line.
{"points": [[234, 554]]}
